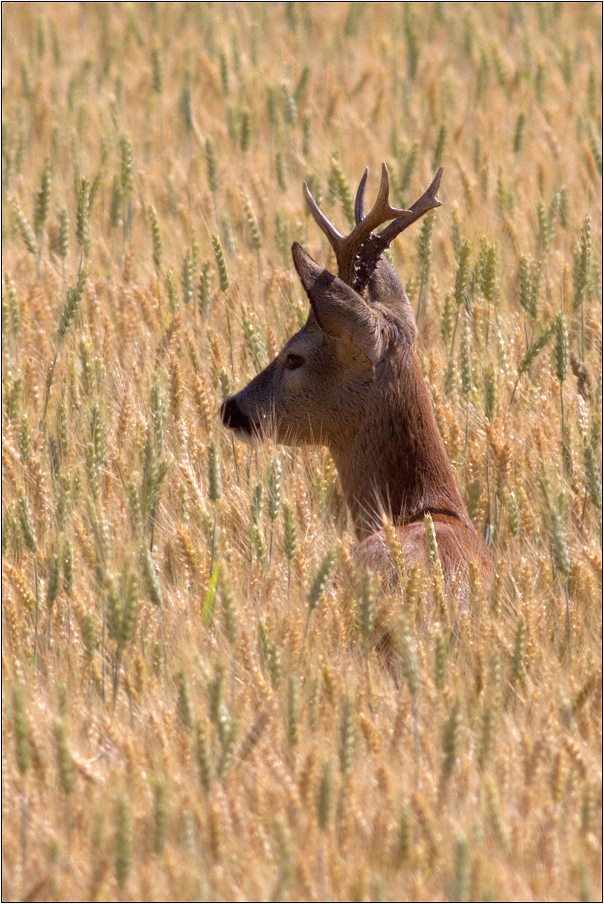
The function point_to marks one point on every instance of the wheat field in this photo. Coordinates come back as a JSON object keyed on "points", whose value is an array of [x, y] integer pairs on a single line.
{"points": [[194, 703]]}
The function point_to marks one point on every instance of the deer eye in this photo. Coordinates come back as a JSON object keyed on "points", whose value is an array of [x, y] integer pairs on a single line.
{"points": [[292, 362]]}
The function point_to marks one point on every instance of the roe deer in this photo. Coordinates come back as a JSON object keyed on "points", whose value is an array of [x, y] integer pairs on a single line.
{"points": [[350, 379]]}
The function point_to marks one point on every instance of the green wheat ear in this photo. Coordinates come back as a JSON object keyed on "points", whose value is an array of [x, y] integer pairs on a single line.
{"points": [[343, 190], [203, 756], [204, 291], [452, 738], [347, 737], [440, 147], [157, 76], [187, 281], [319, 583], [220, 263], [27, 233], [42, 199], [292, 712], [156, 239], [160, 828], [440, 660], [462, 277], [289, 532], [367, 595], [211, 165], [21, 730], [214, 480], [123, 841], [65, 767], [83, 216], [185, 711], [252, 222], [126, 167], [324, 797]]}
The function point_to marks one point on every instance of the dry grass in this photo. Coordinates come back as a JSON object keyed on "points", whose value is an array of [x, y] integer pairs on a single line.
{"points": [[167, 738]]}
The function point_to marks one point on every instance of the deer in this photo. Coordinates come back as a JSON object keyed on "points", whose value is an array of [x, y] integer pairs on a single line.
{"points": [[351, 380]]}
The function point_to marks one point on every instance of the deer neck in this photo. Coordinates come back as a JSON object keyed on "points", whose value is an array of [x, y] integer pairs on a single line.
{"points": [[395, 462]]}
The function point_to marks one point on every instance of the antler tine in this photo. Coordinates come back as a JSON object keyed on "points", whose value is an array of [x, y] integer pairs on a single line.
{"points": [[347, 247], [359, 201], [428, 201], [335, 238], [381, 211]]}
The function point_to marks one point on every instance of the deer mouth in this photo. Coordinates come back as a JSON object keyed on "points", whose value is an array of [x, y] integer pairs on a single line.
{"points": [[242, 425]]}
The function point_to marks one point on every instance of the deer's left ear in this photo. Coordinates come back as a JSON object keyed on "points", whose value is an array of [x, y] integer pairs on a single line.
{"points": [[340, 311]]}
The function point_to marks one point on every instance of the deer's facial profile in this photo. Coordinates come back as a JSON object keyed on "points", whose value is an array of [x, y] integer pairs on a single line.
{"points": [[330, 374], [319, 387]]}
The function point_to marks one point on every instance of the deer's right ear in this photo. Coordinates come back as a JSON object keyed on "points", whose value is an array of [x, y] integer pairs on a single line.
{"points": [[340, 311], [385, 288]]}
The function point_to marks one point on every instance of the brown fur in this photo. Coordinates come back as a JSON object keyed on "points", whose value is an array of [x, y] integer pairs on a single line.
{"points": [[360, 391], [457, 546]]}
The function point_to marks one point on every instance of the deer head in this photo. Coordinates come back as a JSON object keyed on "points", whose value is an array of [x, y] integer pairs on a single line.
{"points": [[335, 369]]}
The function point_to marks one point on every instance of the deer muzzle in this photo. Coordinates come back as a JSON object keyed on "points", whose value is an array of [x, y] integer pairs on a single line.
{"points": [[234, 418]]}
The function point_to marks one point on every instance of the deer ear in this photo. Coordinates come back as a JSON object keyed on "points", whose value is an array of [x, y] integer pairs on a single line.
{"points": [[385, 288], [340, 311]]}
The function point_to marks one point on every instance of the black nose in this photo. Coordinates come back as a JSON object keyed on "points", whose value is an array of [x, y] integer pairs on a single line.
{"points": [[232, 415]]}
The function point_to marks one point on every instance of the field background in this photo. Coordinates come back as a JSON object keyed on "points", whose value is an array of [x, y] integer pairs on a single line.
{"points": [[177, 731]]}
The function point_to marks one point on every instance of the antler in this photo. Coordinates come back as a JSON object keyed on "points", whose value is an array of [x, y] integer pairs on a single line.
{"points": [[357, 254], [428, 201], [347, 247]]}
